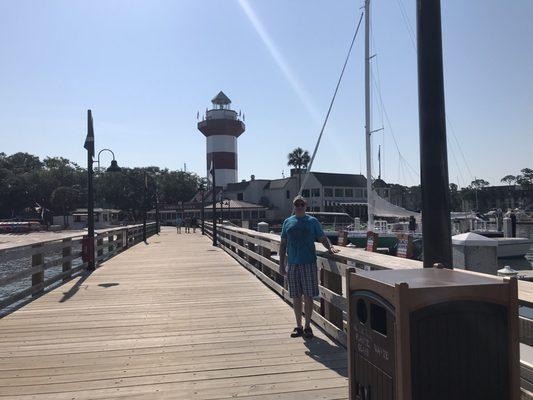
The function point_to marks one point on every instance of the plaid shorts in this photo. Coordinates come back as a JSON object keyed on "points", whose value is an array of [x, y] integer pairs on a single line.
{"points": [[302, 280]]}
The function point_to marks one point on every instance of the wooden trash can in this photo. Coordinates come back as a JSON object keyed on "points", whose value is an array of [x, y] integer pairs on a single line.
{"points": [[432, 334]]}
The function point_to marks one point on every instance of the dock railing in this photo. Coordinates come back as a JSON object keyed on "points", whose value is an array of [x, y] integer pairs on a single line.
{"points": [[258, 252], [32, 269]]}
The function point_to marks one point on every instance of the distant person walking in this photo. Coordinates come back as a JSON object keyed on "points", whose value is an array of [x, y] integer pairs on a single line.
{"points": [[298, 237], [194, 224], [179, 222], [187, 225]]}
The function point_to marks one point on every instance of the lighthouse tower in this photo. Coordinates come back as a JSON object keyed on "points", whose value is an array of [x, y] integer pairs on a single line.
{"points": [[221, 126]]}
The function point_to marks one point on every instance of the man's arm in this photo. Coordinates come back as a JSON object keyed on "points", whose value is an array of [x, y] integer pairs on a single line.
{"points": [[282, 255], [325, 241]]}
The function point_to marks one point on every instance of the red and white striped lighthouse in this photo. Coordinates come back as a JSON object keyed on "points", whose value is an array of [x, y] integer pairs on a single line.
{"points": [[221, 126]]}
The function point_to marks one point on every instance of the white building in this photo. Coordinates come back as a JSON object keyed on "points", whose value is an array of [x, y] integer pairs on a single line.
{"points": [[103, 218], [324, 191]]}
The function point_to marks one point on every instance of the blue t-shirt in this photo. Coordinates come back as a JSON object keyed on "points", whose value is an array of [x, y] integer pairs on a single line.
{"points": [[301, 233]]}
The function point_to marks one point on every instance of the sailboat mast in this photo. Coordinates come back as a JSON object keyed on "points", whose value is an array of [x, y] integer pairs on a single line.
{"points": [[368, 132]]}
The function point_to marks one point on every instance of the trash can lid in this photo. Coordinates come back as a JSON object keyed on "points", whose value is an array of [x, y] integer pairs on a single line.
{"points": [[473, 239], [507, 271]]}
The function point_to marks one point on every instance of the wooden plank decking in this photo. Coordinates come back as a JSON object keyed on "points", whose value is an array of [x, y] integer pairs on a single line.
{"points": [[174, 319]]}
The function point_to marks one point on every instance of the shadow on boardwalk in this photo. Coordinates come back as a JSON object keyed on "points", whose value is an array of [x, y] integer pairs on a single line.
{"points": [[331, 356], [76, 287]]}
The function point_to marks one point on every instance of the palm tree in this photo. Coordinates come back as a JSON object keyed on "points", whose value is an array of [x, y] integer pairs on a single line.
{"points": [[298, 158]]}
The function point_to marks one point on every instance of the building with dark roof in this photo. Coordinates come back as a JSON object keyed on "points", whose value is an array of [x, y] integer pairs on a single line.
{"points": [[324, 191]]}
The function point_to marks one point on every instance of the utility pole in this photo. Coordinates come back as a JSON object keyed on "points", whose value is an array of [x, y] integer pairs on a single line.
{"points": [[436, 224]]}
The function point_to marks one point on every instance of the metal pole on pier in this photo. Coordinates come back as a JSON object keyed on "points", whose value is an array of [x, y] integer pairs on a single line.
{"points": [[157, 220], [436, 224], [89, 145], [202, 211], [368, 116], [214, 201], [145, 205]]}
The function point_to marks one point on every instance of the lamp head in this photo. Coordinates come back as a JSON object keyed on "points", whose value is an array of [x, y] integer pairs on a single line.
{"points": [[114, 167]]}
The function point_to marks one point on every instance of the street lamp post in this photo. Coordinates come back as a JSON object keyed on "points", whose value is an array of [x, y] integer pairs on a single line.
{"points": [[202, 190], [89, 146], [221, 206], [227, 202], [214, 202], [157, 220], [144, 205]]}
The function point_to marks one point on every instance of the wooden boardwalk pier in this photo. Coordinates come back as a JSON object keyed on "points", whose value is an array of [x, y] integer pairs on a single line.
{"points": [[172, 319]]}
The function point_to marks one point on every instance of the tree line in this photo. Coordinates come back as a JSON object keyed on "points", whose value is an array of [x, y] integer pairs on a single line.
{"points": [[28, 185]]}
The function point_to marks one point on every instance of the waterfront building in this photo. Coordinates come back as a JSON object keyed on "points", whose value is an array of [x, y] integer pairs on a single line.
{"points": [[324, 191], [103, 218]]}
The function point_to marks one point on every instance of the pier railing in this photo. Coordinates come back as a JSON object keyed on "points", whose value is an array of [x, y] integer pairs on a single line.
{"points": [[32, 269], [258, 252]]}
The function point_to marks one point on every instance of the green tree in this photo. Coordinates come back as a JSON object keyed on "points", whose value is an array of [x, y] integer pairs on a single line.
{"points": [[509, 179], [20, 162], [526, 178], [299, 159], [455, 197], [479, 184], [65, 199]]}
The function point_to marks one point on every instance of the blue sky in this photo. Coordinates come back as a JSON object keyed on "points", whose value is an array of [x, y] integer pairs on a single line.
{"points": [[146, 67]]}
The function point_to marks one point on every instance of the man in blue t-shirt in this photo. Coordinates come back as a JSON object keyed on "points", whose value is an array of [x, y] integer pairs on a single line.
{"points": [[298, 237]]}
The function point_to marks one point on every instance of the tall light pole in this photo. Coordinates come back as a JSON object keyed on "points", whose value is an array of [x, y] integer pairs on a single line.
{"points": [[227, 202], [89, 145], [202, 215], [144, 204], [157, 220], [221, 206], [214, 201]]}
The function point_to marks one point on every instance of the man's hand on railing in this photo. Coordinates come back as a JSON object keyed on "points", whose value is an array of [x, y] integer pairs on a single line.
{"points": [[332, 250], [325, 241]]}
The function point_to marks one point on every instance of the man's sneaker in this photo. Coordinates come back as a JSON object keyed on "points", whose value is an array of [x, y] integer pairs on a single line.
{"points": [[308, 333], [297, 332]]}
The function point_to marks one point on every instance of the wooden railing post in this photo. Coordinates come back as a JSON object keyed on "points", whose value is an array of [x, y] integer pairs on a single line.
{"points": [[124, 236], [332, 282], [100, 251], [111, 243], [37, 278], [251, 247], [239, 251], [266, 252], [67, 252]]}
